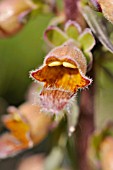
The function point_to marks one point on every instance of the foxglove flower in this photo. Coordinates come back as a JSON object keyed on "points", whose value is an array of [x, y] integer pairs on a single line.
{"points": [[27, 126], [13, 14], [63, 73]]}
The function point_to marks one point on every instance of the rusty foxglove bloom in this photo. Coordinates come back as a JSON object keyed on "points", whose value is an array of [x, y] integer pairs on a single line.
{"points": [[27, 126], [63, 73], [12, 13]]}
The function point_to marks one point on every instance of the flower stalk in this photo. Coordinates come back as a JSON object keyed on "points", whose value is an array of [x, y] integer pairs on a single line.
{"points": [[72, 12], [86, 118]]}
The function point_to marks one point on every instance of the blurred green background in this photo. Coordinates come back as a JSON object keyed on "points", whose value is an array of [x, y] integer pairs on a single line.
{"points": [[19, 55]]}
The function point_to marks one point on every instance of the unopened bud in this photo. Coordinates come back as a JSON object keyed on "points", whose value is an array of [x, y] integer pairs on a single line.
{"points": [[106, 153], [95, 5], [107, 9], [11, 14]]}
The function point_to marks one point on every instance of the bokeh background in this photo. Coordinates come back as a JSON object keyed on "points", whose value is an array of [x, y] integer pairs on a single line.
{"points": [[18, 55], [24, 52]]}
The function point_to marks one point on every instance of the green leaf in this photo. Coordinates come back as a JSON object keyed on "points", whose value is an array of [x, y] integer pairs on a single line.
{"points": [[108, 72], [87, 40], [72, 29], [98, 25], [104, 94], [54, 36], [55, 158]]}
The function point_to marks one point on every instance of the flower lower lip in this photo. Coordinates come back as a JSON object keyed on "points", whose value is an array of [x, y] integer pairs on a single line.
{"points": [[54, 100]]}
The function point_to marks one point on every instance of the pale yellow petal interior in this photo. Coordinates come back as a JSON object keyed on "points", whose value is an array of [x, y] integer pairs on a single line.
{"points": [[55, 63], [58, 63], [69, 65]]}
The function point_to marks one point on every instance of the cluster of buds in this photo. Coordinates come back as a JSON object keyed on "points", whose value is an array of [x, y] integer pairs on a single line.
{"points": [[13, 14], [64, 68]]}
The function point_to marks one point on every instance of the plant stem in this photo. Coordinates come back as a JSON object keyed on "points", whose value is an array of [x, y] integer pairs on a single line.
{"points": [[86, 118], [71, 9], [85, 124], [72, 12]]}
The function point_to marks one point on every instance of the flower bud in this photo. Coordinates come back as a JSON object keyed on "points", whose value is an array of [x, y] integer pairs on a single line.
{"points": [[107, 9], [32, 162], [38, 121], [11, 14], [106, 153], [95, 5], [27, 126]]}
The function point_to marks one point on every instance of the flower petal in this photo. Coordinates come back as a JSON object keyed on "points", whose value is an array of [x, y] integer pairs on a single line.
{"points": [[63, 78], [54, 100], [18, 127], [9, 146], [68, 52]]}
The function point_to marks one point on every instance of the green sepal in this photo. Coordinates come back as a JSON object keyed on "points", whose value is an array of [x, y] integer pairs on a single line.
{"points": [[89, 59], [96, 22], [55, 36], [87, 40], [72, 29]]}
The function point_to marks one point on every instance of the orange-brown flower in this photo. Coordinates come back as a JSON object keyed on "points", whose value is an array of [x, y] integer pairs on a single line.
{"points": [[27, 126], [63, 73]]}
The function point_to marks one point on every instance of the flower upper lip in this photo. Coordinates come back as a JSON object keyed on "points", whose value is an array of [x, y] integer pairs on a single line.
{"points": [[64, 68]]}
